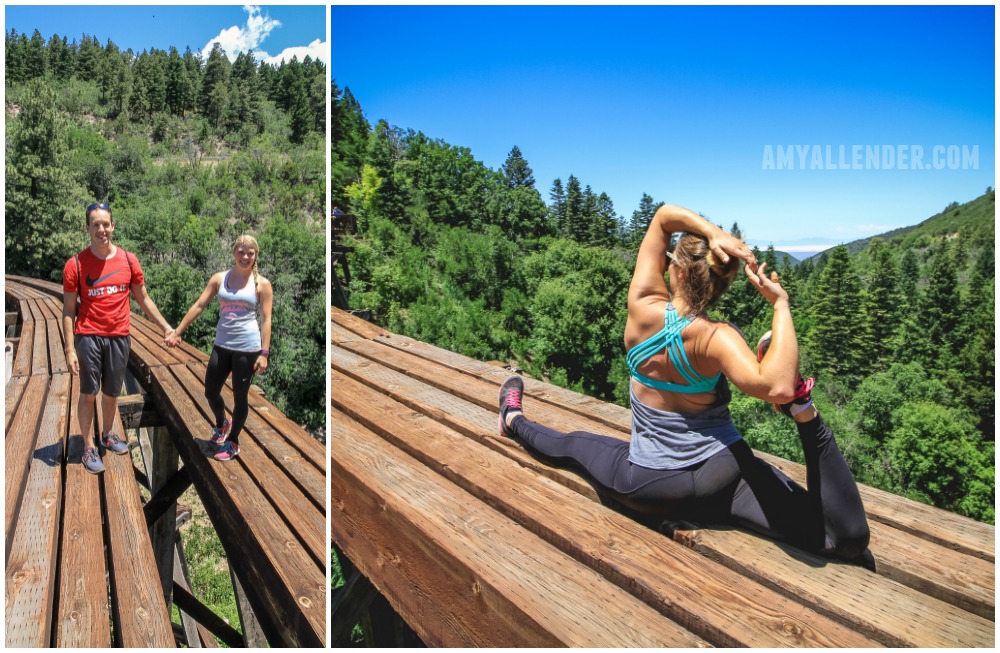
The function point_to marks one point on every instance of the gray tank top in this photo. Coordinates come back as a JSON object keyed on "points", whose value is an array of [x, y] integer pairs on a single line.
{"points": [[665, 440], [238, 329]]}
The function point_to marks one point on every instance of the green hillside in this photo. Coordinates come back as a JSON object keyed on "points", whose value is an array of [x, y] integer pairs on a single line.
{"points": [[975, 219]]}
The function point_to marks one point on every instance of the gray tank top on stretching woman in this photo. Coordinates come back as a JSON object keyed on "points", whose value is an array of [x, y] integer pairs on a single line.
{"points": [[666, 440], [238, 329]]}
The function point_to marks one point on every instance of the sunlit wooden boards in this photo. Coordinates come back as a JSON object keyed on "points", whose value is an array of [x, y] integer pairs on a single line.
{"points": [[429, 416]]}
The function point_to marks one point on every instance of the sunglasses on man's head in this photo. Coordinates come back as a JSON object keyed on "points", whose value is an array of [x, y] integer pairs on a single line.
{"points": [[99, 205]]}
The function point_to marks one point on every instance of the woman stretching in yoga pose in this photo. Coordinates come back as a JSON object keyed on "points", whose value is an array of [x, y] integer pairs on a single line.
{"points": [[685, 458]]}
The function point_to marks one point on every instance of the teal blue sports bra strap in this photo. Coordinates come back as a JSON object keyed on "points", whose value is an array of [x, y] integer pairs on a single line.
{"points": [[669, 338]]}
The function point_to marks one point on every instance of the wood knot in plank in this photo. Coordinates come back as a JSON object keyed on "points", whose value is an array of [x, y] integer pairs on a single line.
{"points": [[305, 602], [792, 628]]}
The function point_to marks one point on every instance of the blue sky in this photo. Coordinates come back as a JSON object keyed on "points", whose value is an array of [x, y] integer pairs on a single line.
{"points": [[686, 103], [270, 31]]}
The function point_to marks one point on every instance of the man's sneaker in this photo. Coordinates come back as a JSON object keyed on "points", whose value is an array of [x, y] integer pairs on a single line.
{"points": [[510, 399], [803, 387], [91, 461], [219, 435], [114, 444], [228, 451]]}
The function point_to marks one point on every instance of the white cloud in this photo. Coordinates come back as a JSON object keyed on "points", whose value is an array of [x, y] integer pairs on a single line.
{"points": [[247, 38], [316, 50]]}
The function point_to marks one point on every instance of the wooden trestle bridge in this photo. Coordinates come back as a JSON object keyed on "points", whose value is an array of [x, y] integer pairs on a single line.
{"points": [[89, 563], [475, 542]]}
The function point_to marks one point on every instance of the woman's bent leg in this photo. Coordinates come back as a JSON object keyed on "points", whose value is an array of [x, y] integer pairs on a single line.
{"points": [[828, 516]]}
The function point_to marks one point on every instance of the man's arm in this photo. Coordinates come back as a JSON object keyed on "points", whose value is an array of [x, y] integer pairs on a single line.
{"points": [[69, 326], [149, 308]]}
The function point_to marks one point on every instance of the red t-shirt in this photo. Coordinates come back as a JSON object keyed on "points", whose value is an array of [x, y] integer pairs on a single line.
{"points": [[104, 293]]}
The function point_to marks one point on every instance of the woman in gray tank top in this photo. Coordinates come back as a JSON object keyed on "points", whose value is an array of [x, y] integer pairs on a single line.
{"points": [[686, 459], [242, 343]]}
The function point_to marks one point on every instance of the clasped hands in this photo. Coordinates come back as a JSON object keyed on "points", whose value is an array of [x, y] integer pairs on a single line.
{"points": [[171, 338]]}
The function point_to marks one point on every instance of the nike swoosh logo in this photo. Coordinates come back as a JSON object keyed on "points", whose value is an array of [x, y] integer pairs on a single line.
{"points": [[93, 282]]}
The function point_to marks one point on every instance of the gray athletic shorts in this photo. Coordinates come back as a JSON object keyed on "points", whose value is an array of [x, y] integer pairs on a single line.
{"points": [[103, 360]]}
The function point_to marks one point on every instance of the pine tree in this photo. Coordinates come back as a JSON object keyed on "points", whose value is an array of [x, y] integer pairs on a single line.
{"points": [[641, 218], [574, 225], [516, 170], [88, 59], [833, 341], [215, 85], [44, 220], [36, 59], [557, 208], [909, 345], [15, 49], [880, 309], [604, 227], [938, 312]]}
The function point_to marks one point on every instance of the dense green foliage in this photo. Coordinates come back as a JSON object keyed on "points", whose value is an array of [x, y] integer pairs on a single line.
{"points": [[899, 337], [190, 154]]}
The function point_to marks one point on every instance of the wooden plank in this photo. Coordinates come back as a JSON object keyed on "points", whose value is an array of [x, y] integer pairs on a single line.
{"points": [[465, 574], [718, 605], [19, 446], [892, 613], [83, 619], [139, 611], [39, 343], [290, 590], [22, 357], [474, 421], [590, 407], [962, 580], [13, 392], [31, 577]]}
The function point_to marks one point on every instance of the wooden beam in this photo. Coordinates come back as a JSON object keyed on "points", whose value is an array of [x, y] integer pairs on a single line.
{"points": [[215, 624], [349, 603], [253, 634], [465, 574], [197, 636], [138, 411], [163, 527], [166, 496]]}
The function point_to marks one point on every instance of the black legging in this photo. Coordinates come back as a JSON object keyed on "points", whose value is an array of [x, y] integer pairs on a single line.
{"points": [[733, 486], [220, 365]]}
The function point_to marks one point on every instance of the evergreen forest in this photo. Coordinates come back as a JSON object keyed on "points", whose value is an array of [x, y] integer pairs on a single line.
{"points": [[191, 150], [898, 331]]}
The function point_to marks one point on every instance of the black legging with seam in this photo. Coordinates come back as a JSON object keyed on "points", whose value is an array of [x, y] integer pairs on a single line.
{"points": [[732, 485], [221, 364]]}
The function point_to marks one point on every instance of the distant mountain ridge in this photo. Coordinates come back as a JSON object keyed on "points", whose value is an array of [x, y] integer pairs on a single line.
{"points": [[978, 215]]}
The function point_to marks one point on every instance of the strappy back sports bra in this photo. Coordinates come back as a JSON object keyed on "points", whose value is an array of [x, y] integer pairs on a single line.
{"points": [[669, 338]]}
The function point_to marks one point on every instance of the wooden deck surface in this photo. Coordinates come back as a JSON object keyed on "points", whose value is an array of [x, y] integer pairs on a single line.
{"points": [[267, 506], [475, 541]]}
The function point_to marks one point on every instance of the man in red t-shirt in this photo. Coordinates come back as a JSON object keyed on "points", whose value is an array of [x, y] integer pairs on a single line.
{"points": [[97, 335]]}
